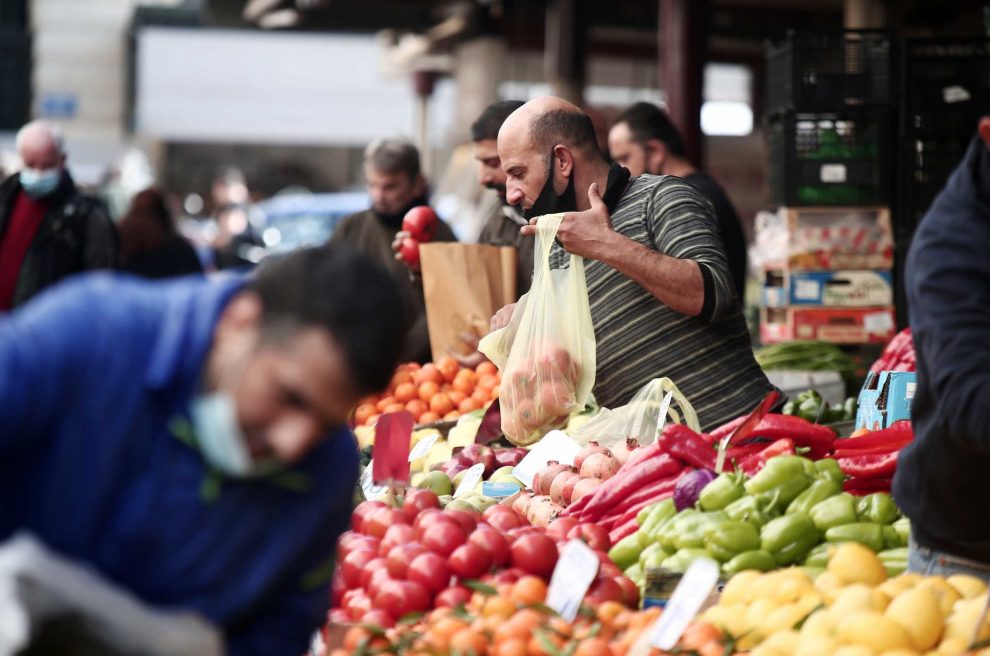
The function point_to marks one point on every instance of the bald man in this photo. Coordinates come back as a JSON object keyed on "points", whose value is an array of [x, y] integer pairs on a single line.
{"points": [[662, 299], [48, 229]]}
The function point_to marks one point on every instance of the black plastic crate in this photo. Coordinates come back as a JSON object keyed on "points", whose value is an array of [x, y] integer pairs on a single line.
{"points": [[946, 85], [830, 158], [827, 71]]}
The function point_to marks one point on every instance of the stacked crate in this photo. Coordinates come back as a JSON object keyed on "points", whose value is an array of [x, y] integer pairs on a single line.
{"points": [[829, 135]]}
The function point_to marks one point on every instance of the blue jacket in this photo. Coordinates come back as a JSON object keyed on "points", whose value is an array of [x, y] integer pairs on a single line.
{"points": [[96, 377], [941, 476]]}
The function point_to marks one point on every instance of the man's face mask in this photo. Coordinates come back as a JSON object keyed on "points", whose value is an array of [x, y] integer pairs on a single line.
{"points": [[220, 439], [548, 202], [38, 183]]}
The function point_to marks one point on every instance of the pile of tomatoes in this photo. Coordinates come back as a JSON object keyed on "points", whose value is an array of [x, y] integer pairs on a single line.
{"points": [[433, 392]]}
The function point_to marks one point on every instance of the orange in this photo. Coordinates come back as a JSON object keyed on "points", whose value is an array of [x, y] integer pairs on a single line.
{"points": [[468, 405], [405, 393], [488, 383], [529, 590], [468, 641], [429, 373], [363, 412], [394, 407], [499, 607], [451, 416], [510, 647], [427, 390], [416, 408], [441, 404], [400, 377], [699, 634], [486, 369], [448, 368], [608, 611], [384, 403], [481, 396], [456, 397], [354, 637], [536, 643], [429, 418], [593, 647], [462, 385], [439, 633], [468, 375]]}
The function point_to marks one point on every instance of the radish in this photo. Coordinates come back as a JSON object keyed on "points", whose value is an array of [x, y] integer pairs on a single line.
{"points": [[583, 487], [589, 449], [559, 485], [600, 466]]}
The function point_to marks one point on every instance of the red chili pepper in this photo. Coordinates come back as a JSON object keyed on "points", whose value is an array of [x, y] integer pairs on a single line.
{"points": [[870, 466], [875, 451], [624, 484], [684, 444], [863, 486], [623, 531], [656, 491], [639, 455], [754, 463], [897, 435], [726, 429], [817, 438], [739, 453]]}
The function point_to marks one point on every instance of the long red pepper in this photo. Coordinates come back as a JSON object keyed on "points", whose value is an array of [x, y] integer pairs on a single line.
{"points": [[817, 438], [639, 455], [897, 434], [683, 443], [863, 486], [625, 530], [877, 450], [633, 510], [621, 485], [656, 491], [870, 466], [754, 463], [726, 429]]}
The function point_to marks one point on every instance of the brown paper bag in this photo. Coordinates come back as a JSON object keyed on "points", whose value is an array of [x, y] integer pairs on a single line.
{"points": [[464, 285]]}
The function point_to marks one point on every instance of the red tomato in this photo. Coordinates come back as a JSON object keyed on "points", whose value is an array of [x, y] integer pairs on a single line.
{"points": [[353, 565], [455, 595], [443, 537], [493, 542], [534, 553], [469, 561], [466, 518], [593, 534], [357, 603], [409, 251], [520, 531], [421, 223], [396, 535], [399, 598], [429, 570], [416, 501], [560, 527], [429, 517], [362, 510], [351, 541], [400, 556], [370, 568], [378, 521], [505, 521], [510, 575]]}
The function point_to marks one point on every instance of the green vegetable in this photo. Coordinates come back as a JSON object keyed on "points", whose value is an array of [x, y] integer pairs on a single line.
{"points": [[648, 551], [634, 571], [727, 539], [809, 409], [626, 551], [878, 508], [828, 469], [655, 560], [750, 509], [681, 560], [659, 513], [850, 408], [789, 538], [818, 492], [891, 538], [803, 355], [834, 511], [690, 534], [865, 533], [781, 480], [903, 528], [665, 533], [756, 559], [818, 557], [894, 560], [721, 492]]}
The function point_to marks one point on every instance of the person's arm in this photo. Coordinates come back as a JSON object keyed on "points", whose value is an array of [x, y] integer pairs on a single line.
{"points": [[688, 272], [102, 242]]}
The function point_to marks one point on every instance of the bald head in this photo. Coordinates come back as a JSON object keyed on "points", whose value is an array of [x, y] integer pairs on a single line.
{"points": [[549, 121], [40, 145]]}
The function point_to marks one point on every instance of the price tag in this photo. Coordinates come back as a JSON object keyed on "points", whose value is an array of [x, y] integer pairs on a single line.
{"points": [[662, 417], [470, 480], [391, 451], [878, 322], [499, 490], [371, 491], [423, 446], [575, 570], [833, 173], [556, 445], [690, 595]]}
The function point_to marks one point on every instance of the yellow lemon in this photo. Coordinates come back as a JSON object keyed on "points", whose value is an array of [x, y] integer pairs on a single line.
{"points": [[852, 562], [918, 611]]}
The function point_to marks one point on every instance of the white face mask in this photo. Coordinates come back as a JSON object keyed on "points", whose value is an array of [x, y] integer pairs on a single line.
{"points": [[220, 440]]}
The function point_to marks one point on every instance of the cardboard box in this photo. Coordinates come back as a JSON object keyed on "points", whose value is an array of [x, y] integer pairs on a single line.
{"points": [[842, 288], [874, 325], [825, 238], [886, 398]]}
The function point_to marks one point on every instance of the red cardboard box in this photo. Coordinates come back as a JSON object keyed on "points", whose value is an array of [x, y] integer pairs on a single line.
{"points": [[875, 325]]}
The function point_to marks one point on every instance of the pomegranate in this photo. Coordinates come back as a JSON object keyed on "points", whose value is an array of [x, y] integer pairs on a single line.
{"points": [[544, 478], [583, 487], [521, 502], [542, 511], [600, 466], [591, 448], [560, 484], [569, 486], [622, 450]]}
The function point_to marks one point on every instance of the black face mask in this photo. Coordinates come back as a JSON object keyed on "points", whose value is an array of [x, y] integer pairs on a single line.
{"points": [[548, 202]]}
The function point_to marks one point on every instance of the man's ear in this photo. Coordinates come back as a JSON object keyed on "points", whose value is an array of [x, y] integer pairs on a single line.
{"points": [[984, 130], [562, 166], [656, 156], [242, 312]]}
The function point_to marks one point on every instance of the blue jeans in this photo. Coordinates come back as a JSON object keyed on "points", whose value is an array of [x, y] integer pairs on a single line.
{"points": [[930, 562]]}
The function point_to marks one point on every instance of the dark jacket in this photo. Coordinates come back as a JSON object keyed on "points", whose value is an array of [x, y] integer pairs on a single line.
{"points": [[75, 235], [941, 475], [367, 233], [176, 257], [502, 229]]}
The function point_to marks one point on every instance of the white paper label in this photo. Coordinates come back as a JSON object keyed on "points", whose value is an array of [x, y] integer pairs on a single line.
{"points": [[833, 173], [909, 390], [423, 446], [807, 290], [662, 417], [556, 445], [955, 94], [371, 491], [573, 575], [878, 322], [471, 478], [690, 594]]}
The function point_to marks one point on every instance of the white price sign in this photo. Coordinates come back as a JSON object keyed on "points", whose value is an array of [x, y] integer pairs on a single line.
{"points": [[470, 480], [690, 595], [556, 445], [573, 575], [371, 491], [423, 446]]}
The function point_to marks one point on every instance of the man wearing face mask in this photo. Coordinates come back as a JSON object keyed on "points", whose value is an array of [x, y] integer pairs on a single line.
{"points": [[661, 295], [48, 229], [194, 449], [396, 185]]}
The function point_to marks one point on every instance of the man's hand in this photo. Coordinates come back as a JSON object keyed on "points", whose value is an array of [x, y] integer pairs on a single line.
{"points": [[397, 246], [588, 233], [472, 359], [503, 317]]}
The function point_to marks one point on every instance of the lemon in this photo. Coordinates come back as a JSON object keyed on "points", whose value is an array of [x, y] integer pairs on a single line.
{"points": [[829, 586], [918, 611], [898, 584], [739, 589], [852, 562], [854, 650], [967, 586], [946, 593], [824, 646], [782, 619], [758, 611], [818, 625], [730, 618], [963, 621], [900, 652], [874, 630], [783, 642]]}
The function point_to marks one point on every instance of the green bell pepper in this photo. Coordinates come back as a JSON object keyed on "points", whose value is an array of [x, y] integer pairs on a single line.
{"points": [[818, 492], [664, 534], [790, 408], [781, 480], [750, 509], [659, 513], [878, 508], [690, 534], [681, 560], [834, 511], [894, 560], [756, 559], [891, 538], [865, 533], [809, 408], [721, 492], [634, 571], [818, 557], [655, 560], [903, 528], [626, 551], [828, 469], [727, 539], [789, 538], [648, 551]]}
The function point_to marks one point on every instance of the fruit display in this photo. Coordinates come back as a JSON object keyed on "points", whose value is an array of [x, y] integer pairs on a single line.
{"points": [[433, 392], [854, 608]]}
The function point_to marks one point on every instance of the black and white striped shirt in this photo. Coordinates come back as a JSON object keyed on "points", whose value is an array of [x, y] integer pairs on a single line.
{"points": [[639, 338]]}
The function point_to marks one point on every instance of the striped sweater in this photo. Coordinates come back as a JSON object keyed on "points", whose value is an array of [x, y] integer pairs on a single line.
{"points": [[639, 338]]}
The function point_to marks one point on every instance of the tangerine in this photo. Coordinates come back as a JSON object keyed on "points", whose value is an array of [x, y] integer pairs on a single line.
{"points": [[448, 367], [468, 405], [429, 418], [451, 416], [469, 641], [593, 647], [462, 385], [441, 404], [481, 396], [456, 397], [416, 408], [429, 373], [405, 393], [427, 390], [394, 407], [486, 368], [487, 383], [384, 403], [511, 647], [363, 413]]}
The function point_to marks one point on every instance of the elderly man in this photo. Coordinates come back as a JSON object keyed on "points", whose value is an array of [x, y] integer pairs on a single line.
{"points": [[48, 229], [396, 185], [662, 298]]}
